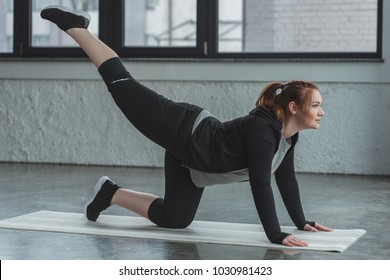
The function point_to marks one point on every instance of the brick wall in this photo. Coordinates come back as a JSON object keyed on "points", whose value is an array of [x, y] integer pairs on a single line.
{"points": [[310, 25]]}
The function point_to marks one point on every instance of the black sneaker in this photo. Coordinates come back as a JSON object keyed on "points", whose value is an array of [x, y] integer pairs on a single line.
{"points": [[104, 190], [66, 18]]}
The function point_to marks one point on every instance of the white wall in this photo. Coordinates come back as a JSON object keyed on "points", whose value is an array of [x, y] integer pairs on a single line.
{"points": [[59, 112]]}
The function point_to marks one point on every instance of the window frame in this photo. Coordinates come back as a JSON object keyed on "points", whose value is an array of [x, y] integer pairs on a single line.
{"points": [[111, 17], [197, 51], [316, 55]]}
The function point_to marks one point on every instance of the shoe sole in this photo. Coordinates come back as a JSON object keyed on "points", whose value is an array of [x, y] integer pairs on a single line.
{"points": [[96, 189], [64, 9]]}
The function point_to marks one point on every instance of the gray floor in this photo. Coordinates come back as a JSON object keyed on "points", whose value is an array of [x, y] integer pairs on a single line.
{"points": [[333, 200]]}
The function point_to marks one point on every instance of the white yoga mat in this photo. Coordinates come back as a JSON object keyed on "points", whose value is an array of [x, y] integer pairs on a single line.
{"points": [[197, 232]]}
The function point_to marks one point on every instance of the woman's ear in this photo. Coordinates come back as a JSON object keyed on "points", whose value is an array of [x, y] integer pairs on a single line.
{"points": [[292, 108]]}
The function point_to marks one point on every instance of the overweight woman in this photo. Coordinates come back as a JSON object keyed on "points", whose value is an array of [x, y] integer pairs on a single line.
{"points": [[200, 150]]}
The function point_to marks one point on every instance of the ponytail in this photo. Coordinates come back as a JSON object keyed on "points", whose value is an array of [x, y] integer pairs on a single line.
{"points": [[267, 98], [276, 96]]}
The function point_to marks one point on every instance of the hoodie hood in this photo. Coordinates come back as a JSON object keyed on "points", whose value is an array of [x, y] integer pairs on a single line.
{"points": [[269, 115]]}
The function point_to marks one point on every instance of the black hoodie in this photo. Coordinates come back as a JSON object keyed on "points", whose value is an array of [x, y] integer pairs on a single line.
{"points": [[250, 142]]}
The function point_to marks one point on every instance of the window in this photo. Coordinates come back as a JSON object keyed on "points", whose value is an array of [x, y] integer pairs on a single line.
{"points": [[161, 28], [230, 26], [160, 23], [252, 26], [203, 28], [6, 26]]}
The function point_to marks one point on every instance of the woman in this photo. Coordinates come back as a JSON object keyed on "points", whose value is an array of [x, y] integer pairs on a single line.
{"points": [[201, 150]]}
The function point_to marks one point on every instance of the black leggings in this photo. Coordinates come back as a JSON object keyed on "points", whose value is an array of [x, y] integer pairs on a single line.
{"points": [[167, 123]]}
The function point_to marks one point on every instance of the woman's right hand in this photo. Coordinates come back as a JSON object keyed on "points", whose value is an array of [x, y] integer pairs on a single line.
{"points": [[292, 241]]}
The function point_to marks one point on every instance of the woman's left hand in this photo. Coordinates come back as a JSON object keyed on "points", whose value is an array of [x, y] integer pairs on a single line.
{"points": [[317, 227]]}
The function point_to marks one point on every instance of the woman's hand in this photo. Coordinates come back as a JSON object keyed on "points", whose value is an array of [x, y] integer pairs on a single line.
{"points": [[292, 241], [317, 227]]}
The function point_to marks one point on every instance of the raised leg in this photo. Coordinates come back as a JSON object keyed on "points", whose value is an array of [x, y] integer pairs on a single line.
{"points": [[75, 23]]}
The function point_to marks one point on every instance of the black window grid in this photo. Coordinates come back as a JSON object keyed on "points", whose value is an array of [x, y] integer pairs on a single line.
{"points": [[111, 31]]}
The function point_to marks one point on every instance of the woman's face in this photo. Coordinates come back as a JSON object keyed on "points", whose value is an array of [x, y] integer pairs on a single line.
{"points": [[312, 118]]}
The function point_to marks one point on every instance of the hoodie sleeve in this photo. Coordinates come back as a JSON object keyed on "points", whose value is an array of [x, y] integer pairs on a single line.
{"points": [[289, 189], [261, 143]]}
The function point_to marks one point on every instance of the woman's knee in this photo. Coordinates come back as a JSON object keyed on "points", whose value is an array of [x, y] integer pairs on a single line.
{"points": [[163, 217], [180, 222]]}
